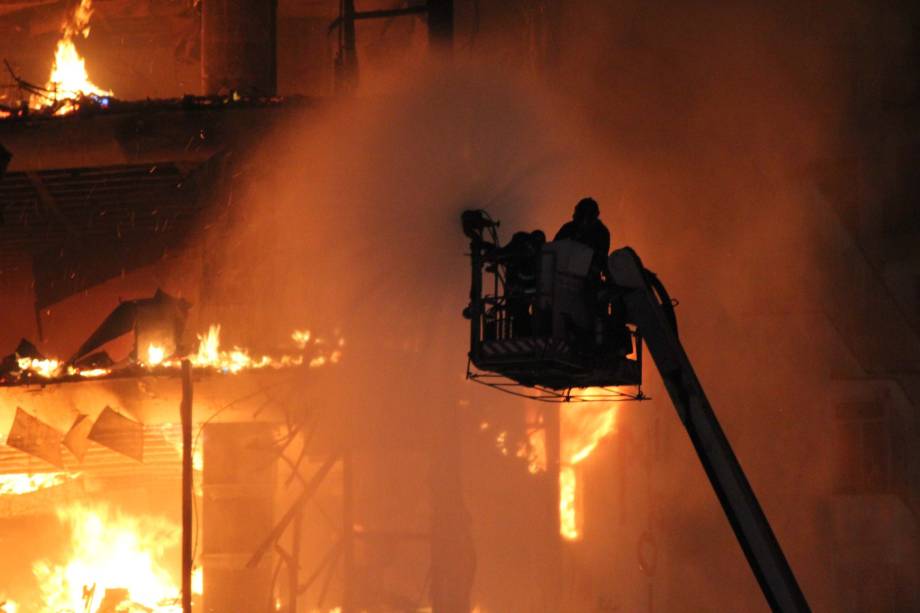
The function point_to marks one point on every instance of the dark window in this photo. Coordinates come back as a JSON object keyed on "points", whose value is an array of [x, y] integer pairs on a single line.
{"points": [[863, 446]]}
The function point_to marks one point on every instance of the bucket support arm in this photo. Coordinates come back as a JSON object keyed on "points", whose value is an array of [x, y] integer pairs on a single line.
{"points": [[650, 308]]}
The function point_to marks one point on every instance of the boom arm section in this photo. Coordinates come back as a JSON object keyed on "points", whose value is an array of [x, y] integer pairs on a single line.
{"points": [[649, 307]]}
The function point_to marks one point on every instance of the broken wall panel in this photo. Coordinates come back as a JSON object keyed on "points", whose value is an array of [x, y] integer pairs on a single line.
{"points": [[77, 438], [119, 433], [35, 437]]}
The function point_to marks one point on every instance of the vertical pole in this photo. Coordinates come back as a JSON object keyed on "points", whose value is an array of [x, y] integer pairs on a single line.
{"points": [[453, 557], [553, 432], [348, 540], [351, 50], [5, 157], [294, 568], [441, 26], [475, 300], [347, 62], [238, 47], [185, 410]]}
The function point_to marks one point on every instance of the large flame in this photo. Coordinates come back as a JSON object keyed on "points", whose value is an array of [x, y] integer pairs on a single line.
{"points": [[69, 80], [111, 550], [582, 427]]}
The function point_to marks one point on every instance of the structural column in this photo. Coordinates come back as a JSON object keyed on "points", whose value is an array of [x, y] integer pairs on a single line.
{"points": [[348, 533], [346, 63], [553, 571], [453, 558], [441, 24], [238, 39]]}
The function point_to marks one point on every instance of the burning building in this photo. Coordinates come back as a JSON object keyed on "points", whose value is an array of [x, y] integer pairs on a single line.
{"points": [[231, 284]]}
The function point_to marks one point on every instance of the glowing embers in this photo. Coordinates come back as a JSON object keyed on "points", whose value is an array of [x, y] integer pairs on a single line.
{"points": [[41, 367], [156, 357], [111, 555], [26, 364], [531, 448], [50, 368], [301, 338], [69, 81], [17, 484]]}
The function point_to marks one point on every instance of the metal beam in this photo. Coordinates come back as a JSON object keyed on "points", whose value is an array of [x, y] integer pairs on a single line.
{"points": [[380, 14], [291, 513]]}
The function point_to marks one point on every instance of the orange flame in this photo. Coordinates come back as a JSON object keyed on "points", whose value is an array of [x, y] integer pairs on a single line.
{"points": [[582, 427], [43, 368], [208, 355], [17, 484], [92, 372], [110, 550], [69, 79], [570, 518], [155, 354], [301, 337]]}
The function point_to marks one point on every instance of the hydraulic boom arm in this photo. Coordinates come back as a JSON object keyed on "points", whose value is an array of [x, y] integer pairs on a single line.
{"points": [[649, 307]]}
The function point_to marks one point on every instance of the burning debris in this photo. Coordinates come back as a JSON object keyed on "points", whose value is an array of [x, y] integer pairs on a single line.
{"points": [[155, 188], [18, 484], [115, 562], [69, 82], [119, 562], [68, 86], [157, 324]]}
